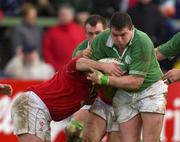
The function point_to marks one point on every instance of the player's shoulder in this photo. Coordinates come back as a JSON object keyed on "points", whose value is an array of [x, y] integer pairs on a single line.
{"points": [[141, 39], [103, 36], [83, 43]]}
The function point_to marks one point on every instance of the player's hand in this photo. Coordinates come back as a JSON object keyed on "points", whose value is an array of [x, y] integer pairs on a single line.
{"points": [[112, 69], [87, 53], [95, 76], [172, 75], [5, 89]]}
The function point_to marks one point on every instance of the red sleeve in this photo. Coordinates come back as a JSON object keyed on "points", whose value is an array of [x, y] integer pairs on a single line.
{"points": [[71, 66]]}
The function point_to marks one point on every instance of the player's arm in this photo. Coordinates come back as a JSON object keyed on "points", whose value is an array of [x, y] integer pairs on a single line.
{"points": [[84, 64], [127, 82], [169, 49], [159, 55]]}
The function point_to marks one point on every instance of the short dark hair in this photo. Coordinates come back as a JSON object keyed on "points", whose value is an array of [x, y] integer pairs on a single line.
{"points": [[94, 19], [120, 20]]}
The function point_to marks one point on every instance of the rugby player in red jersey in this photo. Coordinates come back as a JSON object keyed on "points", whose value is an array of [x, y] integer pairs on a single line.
{"points": [[55, 99]]}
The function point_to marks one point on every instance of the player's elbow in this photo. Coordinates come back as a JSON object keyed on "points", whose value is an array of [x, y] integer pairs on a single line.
{"points": [[159, 55], [136, 84]]}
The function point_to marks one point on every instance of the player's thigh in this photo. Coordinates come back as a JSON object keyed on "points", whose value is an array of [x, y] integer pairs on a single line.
{"points": [[95, 121], [81, 116], [114, 137], [29, 117], [94, 128], [131, 129], [152, 125]]}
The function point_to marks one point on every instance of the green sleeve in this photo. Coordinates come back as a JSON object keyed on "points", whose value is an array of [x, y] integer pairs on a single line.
{"points": [[81, 46], [142, 55], [98, 47], [171, 47]]}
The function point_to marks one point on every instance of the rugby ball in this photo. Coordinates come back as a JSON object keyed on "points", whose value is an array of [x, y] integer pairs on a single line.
{"points": [[110, 60], [107, 91]]}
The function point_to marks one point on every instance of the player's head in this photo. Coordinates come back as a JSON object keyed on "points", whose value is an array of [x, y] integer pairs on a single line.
{"points": [[93, 26], [121, 29]]}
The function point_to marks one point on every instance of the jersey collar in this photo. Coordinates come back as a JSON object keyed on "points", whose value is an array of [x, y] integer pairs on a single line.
{"points": [[110, 43]]}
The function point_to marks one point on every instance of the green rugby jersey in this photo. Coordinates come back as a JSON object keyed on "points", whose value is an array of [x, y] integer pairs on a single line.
{"points": [[83, 45], [171, 47], [138, 57]]}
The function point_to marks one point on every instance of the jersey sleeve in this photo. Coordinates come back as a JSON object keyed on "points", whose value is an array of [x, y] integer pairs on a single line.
{"points": [[141, 59], [171, 47], [71, 66], [98, 50], [81, 46]]}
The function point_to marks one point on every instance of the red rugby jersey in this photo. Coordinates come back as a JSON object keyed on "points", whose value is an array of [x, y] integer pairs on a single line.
{"points": [[65, 92]]}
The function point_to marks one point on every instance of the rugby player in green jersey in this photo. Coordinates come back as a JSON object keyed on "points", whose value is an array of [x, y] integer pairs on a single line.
{"points": [[93, 26], [140, 101]]}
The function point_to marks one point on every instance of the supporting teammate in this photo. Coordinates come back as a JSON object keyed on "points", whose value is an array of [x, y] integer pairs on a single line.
{"points": [[94, 25], [168, 50]]}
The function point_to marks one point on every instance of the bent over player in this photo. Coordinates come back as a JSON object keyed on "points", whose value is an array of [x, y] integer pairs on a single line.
{"points": [[56, 99]]}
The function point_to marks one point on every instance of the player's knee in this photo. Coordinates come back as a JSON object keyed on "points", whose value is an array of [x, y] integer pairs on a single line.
{"points": [[74, 131]]}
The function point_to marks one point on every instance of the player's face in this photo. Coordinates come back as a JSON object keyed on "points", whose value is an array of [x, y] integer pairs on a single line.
{"points": [[92, 31], [121, 37]]}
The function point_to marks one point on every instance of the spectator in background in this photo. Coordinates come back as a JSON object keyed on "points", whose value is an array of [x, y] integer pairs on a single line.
{"points": [[167, 7], [61, 40], [10, 7], [177, 5], [28, 66], [82, 16], [27, 32], [127, 4], [147, 18], [105, 7], [44, 8], [168, 10]]}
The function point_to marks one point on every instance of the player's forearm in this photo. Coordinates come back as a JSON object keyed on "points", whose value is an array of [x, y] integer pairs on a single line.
{"points": [[128, 82], [85, 65]]}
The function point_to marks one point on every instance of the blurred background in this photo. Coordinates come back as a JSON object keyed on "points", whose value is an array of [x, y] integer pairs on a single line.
{"points": [[28, 26], [37, 37]]}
